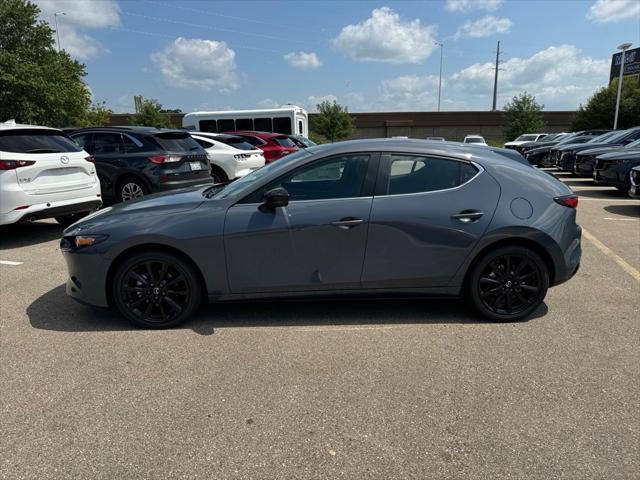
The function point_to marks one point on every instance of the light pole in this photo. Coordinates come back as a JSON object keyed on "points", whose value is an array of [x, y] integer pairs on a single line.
{"points": [[441, 45], [624, 48], [55, 19]]}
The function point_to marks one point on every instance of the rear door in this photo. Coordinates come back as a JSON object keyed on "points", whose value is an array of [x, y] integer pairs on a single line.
{"points": [[54, 162], [427, 215]]}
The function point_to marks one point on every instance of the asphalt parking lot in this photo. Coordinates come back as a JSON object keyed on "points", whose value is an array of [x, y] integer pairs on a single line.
{"points": [[353, 389]]}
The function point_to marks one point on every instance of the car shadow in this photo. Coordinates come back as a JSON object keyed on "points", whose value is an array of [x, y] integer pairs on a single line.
{"points": [[604, 194], [27, 234], [579, 182], [626, 210], [57, 312]]}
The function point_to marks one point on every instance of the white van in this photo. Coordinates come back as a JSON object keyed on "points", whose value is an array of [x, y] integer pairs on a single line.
{"points": [[290, 120], [44, 174]]}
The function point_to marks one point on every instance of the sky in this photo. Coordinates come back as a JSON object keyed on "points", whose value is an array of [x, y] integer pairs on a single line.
{"points": [[370, 56]]}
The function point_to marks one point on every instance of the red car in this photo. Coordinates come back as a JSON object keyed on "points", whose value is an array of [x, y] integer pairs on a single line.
{"points": [[274, 145]]}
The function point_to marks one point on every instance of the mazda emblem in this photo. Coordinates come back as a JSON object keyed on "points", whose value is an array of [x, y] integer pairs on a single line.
{"points": [[64, 159]]}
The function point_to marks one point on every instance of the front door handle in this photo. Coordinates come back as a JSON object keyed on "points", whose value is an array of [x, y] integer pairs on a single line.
{"points": [[347, 223], [467, 216]]}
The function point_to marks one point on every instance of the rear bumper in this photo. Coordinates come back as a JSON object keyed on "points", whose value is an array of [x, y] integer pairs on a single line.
{"points": [[634, 191], [570, 263], [52, 209]]}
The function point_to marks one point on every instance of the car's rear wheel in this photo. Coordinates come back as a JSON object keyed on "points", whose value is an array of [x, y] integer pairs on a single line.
{"points": [[156, 290], [508, 283], [130, 188]]}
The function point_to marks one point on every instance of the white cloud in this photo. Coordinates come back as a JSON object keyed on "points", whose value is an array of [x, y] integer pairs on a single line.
{"points": [[268, 103], [409, 93], [191, 62], [468, 5], [303, 60], [384, 37], [74, 17], [605, 11], [484, 27]]}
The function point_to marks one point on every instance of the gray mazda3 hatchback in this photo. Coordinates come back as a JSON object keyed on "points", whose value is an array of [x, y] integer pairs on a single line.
{"points": [[383, 217]]}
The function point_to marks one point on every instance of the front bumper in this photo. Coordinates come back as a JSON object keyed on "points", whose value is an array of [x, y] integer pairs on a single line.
{"points": [[87, 277]]}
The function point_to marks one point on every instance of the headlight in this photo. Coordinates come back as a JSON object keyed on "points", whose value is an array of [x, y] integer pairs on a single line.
{"points": [[80, 241]]}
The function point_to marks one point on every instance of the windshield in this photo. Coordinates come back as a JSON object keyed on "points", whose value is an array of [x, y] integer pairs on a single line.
{"points": [[634, 144], [36, 141], [245, 182], [474, 140], [617, 136], [526, 138]]}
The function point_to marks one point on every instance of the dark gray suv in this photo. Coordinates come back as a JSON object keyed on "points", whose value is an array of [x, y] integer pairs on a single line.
{"points": [[368, 217]]}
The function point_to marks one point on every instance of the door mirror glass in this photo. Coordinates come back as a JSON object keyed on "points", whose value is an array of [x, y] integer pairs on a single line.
{"points": [[277, 197]]}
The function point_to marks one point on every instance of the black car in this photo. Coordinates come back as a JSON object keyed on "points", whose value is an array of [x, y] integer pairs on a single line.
{"points": [[552, 138], [541, 155], [634, 179], [614, 169], [586, 159], [567, 156], [134, 161]]}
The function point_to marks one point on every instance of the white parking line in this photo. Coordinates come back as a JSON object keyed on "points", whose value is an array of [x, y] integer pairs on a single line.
{"points": [[609, 253], [9, 262], [623, 219]]}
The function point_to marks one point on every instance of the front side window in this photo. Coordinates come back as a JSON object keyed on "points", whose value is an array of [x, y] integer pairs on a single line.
{"points": [[82, 140], [283, 141], [416, 174], [338, 177]]}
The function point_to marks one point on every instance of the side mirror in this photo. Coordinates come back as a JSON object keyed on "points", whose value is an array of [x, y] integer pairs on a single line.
{"points": [[277, 197]]}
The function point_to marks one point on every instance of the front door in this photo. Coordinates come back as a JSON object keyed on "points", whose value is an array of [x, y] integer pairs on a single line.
{"points": [[317, 242], [427, 215]]}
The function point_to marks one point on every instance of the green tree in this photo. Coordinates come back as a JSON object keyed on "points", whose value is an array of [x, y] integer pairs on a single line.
{"points": [[38, 84], [150, 114], [601, 106], [97, 115], [333, 121], [523, 115]]}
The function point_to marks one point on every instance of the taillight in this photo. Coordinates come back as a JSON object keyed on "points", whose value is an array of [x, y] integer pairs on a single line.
{"points": [[90, 158], [241, 156], [570, 201], [162, 159], [12, 164]]}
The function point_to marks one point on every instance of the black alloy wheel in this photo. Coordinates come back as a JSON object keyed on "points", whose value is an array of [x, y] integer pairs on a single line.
{"points": [[156, 290], [509, 283]]}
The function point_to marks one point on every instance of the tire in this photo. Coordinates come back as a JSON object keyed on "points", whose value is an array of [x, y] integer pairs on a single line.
{"points": [[130, 188], [218, 175], [67, 220], [156, 290], [504, 292]]}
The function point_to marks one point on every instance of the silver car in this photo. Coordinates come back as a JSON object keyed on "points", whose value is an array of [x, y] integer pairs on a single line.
{"points": [[377, 217]]}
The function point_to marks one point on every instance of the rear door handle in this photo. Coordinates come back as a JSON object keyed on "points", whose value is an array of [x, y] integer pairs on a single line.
{"points": [[467, 216], [347, 223]]}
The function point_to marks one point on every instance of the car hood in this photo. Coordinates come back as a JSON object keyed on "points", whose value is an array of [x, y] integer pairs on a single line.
{"points": [[166, 203], [619, 155]]}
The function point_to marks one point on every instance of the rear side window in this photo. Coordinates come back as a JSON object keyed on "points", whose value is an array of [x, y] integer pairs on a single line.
{"points": [[238, 142], [36, 141], [416, 174], [177, 142], [263, 124], [282, 125], [253, 140], [283, 141]]}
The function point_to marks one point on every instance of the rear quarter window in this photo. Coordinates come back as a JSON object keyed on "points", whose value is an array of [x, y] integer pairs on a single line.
{"points": [[36, 141]]}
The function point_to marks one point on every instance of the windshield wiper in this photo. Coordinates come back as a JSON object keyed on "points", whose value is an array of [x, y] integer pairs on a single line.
{"points": [[214, 189], [43, 150]]}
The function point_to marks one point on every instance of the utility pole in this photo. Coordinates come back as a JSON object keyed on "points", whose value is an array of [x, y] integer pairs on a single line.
{"points": [[624, 47], [495, 82], [55, 18], [441, 45]]}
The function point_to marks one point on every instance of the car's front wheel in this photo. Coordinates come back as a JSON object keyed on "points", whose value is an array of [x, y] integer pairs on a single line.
{"points": [[156, 290], [508, 283]]}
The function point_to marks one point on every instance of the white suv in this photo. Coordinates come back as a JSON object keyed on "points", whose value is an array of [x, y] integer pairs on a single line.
{"points": [[475, 139], [230, 156], [44, 174]]}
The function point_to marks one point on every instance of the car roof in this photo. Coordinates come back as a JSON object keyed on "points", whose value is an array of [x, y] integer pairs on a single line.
{"points": [[131, 129], [213, 136], [456, 150], [12, 125]]}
